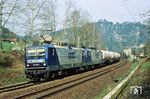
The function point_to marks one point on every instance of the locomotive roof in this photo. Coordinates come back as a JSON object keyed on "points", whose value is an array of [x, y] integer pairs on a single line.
{"points": [[39, 46], [56, 46], [52, 46]]}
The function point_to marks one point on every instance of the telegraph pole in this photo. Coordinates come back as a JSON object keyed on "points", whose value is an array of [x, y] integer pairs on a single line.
{"points": [[78, 41], [1, 46], [137, 35]]}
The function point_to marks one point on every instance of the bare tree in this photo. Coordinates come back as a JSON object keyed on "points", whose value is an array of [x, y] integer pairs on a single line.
{"points": [[7, 9], [97, 38], [31, 16], [147, 45], [90, 36], [69, 6], [81, 31], [48, 19], [48, 16], [74, 34], [86, 34]]}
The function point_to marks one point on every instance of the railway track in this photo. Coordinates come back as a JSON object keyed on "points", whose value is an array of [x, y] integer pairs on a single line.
{"points": [[52, 90], [16, 86]]}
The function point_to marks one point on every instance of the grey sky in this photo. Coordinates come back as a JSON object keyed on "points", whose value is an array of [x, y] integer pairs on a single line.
{"points": [[111, 10], [115, 10]]}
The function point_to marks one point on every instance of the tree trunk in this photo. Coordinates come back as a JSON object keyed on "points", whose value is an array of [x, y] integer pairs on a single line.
{"points": [[1, 25]]}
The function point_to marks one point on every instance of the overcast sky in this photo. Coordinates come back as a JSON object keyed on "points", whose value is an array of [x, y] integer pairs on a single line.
{"points": [[111, 10], [115, 10]]}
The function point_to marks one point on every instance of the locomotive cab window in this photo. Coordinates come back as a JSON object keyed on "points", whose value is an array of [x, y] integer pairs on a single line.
{"points": [[35, 53]]}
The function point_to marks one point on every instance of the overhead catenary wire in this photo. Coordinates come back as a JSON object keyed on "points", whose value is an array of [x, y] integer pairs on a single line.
{"points": [[125, 5], [137, 34]]}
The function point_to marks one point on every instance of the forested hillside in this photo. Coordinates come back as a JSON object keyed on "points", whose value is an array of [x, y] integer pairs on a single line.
{"points": [[6, 33], [113, 36], [117, 36]]}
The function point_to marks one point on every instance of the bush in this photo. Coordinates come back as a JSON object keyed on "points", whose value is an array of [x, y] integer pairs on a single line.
{"points": [[134, 60], [148, 58], [6, 59]]}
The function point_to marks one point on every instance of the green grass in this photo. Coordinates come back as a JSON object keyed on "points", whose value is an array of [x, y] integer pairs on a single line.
{"points": [[103, 93], [133, 65], [9, 69], [146, 65], [7, 46], [11, 75], [18, 79], [119, 78]]}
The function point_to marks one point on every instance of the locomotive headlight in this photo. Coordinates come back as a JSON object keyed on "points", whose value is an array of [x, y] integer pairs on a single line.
{"points": [[44, 64], [27, 65]]}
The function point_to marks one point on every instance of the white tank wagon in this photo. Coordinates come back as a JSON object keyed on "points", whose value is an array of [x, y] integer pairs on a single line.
{"points": [[106, 55], [110, 56], [127, 53], [116, 55]]}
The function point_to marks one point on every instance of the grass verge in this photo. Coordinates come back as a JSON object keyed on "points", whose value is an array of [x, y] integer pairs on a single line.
{"points": [[110, 86], [11, 75], [141, 78]]}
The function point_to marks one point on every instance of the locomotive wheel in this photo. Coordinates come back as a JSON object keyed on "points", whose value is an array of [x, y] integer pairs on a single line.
{"points": [[53, 75], [35, 79], [76, 70], [60, 73], [65, 73]]}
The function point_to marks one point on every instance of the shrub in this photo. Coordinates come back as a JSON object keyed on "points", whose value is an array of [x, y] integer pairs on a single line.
{"points": [[6, 59]]}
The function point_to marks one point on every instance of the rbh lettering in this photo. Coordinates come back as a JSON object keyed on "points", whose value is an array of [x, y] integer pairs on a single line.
{"points": [[136, 90]]}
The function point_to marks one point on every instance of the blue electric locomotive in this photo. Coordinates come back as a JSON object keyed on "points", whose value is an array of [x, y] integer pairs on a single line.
{"points": [[46, 61]]}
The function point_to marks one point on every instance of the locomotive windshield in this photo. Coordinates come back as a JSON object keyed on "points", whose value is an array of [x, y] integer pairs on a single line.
{"points": [[35, 53]]}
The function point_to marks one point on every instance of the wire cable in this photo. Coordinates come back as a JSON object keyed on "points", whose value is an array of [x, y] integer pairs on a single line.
{"points": [[128, 9]]}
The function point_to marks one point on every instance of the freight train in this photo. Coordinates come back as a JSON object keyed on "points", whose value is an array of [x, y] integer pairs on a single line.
{"points": [[49, 60]]}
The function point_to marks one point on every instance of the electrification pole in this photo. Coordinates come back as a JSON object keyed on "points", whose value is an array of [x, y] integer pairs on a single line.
{"points": [[137, 35]]}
